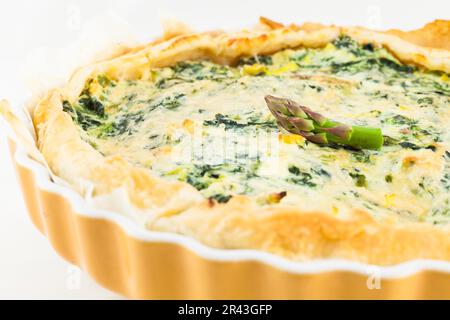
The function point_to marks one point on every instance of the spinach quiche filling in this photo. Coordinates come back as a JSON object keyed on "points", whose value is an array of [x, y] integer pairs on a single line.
{"points": [[208, 125]]}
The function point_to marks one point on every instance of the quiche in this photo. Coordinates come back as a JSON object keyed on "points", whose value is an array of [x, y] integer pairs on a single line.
{"points": [[178, 135]]}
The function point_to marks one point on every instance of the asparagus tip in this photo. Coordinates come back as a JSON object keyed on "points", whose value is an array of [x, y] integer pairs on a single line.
{"points": [[317, 128]]}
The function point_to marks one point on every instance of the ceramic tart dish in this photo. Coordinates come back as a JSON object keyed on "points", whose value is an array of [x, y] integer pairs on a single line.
{"points": [[276, 162]]}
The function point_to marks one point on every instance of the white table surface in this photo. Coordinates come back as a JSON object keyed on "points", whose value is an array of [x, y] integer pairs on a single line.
{"points": [[29, 268]]}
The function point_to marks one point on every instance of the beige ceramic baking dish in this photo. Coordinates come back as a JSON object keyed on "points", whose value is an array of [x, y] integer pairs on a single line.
{"points": [[137, 263]]}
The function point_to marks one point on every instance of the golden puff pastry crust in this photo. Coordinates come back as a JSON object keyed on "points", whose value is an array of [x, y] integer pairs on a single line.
{"points": [[283, 229]]}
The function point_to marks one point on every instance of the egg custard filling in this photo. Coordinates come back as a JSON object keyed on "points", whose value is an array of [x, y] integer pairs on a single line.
{"points": [[208, 125]]}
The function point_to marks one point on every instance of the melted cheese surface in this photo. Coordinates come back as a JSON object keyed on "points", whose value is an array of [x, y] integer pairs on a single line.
{"points": [[208, 125]]}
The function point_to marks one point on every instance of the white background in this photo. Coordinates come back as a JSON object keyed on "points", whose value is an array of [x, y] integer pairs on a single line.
{"points": [[29, 268]]}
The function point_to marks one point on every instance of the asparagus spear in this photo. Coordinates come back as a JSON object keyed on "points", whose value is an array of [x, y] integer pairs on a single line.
{"points": [[316, 128]]}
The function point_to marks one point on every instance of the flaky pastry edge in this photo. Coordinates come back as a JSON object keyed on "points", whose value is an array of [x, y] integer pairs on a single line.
{"points": [[240, 223]]}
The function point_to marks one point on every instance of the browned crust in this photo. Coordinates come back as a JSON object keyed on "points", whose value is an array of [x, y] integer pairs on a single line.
{"points": [[240, 223], [435, 34], [300, 236]]}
